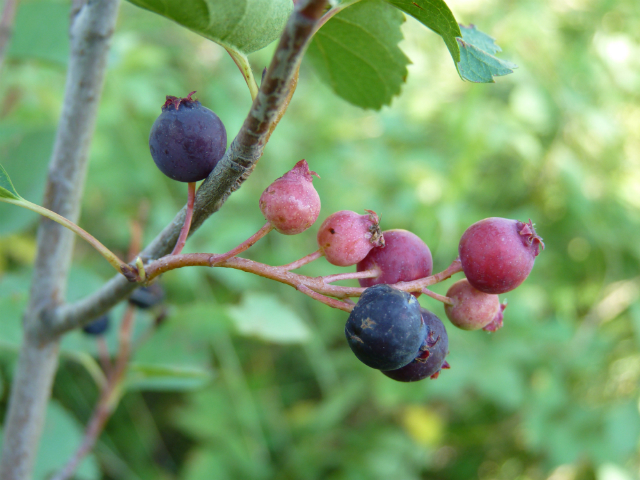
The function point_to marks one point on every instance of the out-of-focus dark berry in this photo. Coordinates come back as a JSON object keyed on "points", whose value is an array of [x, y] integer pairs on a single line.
{"points": [[471, 309], [431, 358], [291, 203], [98, 327], [385, 329], [147, 297], [346, 237], [404, 257], [497, 254], [187, 140]]}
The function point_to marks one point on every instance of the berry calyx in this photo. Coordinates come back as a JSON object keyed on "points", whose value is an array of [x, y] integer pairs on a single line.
{"points": [[291, 203], [497, 254], [346, 237], [385, 329], [496, 323], [187, 140], [403, 258], [471, 309], [433, 351]]}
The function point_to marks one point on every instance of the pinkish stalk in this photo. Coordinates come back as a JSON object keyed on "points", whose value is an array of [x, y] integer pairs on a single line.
{"points": [[372, 273], [248, 243], [332, 302], [437, 296], [184, 232], [303, 261]]}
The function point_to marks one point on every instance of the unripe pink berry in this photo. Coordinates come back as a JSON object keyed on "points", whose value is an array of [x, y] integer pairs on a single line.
{"points": [[471, 309], [346, 237], [291, 203], [497, 254]]}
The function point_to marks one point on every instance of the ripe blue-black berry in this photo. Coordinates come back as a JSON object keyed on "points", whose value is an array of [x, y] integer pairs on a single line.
{"points": [[430, 360], [98, 326], [187, 140], [147, 297], [385, 329]]}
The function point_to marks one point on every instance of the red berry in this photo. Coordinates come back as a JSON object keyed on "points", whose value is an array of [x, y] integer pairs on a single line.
{"points": [[471, 309], [291, 203], [345, 237], [497, 254], [404, 257], [187, 140]]}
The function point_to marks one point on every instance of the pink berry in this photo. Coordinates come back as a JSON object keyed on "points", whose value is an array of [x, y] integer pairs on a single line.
{"points": [[497, 254], [471, 309], [291, 203], [345, 237], [404, 257]]}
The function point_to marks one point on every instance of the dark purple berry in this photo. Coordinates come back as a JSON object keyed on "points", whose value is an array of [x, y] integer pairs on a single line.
{"points": [[403, 258], [291, 203], [147, 297], [346, 237], [98, 327], [497, 254], [187, 140], [385, 329], [430, 360]]}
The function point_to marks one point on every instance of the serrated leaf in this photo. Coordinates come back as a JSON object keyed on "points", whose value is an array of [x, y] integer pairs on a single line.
{"points": [[241, 25], [6, 187], [434, 14], [472, 50], [476, 65], [356, 53], [264, 316], [166, 377]]}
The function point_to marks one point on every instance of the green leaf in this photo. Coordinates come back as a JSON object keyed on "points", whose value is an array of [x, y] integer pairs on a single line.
{"points": [[472, 50], [6, 187], [241, 25], [264, 316], [356, 53], [477, 63], [166, 377], [434, 14]]}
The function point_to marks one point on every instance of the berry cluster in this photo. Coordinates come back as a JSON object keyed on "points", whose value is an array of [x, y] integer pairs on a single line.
{"points": [[387, 329]]}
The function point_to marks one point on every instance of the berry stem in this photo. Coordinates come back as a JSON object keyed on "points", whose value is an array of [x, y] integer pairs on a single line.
{"points": [[248, 243], [437, 296], [372, 273], [184, 232], [332, 302], [245, 69], [302, 261], [418, 285], [127, 270]]}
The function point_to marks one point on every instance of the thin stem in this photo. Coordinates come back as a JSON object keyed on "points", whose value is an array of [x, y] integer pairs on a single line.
{"points": [[245, 69], [418, 285], [303, 261], [374, 272], [248, 243], [332, 302], [111, 257], [6, 26], [184, 232], [437, 296]]}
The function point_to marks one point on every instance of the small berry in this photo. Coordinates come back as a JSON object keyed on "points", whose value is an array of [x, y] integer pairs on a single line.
{"points": [[346, 237], [291, 203], [98, 327], [187, 140], [147, 297], [497, 254], [431, 358], [404, 257], [385, 329], [471, 309]]}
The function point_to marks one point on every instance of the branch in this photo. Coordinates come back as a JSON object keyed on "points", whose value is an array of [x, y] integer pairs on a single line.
{"points": [[90, 35], [6, 26], [232, 170]]}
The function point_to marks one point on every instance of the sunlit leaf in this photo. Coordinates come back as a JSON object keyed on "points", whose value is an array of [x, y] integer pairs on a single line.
{"points": [[241, 25]]}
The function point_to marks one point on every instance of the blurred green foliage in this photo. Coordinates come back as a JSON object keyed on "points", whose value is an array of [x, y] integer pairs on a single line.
{"points": [[553, 395]]}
